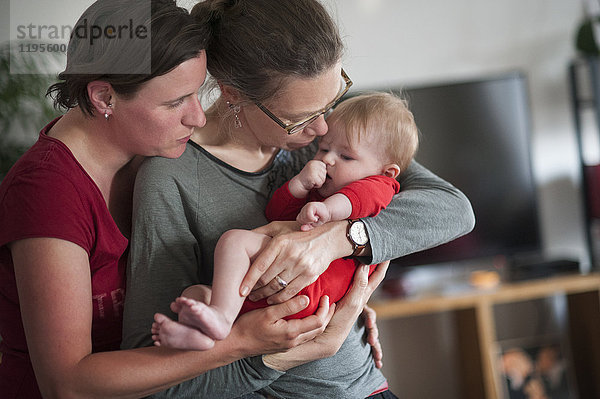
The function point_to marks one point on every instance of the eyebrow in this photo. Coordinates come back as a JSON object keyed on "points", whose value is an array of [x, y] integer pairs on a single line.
{"points": [[345, 147], [349, 150]]}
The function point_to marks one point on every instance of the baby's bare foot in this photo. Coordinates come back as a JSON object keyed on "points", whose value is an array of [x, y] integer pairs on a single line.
{"points": [[209, 319], [171, 334]]}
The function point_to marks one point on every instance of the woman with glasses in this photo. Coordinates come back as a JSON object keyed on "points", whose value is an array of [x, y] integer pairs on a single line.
{"points": [[277, 67], [65, 217]]}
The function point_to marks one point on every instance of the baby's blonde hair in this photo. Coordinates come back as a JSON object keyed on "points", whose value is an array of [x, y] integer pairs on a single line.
{"points": [[382, 114]]}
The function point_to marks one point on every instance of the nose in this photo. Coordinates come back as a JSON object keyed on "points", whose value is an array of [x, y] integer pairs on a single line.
{"points": [[329, 158], [319, 126], [195, 114]]}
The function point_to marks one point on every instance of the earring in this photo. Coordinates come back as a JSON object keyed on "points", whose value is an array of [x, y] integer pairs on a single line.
{"points": [[236, 110], [106, 115]]}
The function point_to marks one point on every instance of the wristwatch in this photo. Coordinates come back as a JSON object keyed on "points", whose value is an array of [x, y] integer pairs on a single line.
{"points": [[357, 235]]}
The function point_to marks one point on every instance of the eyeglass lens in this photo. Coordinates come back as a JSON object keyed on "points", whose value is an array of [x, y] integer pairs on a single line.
{"points": [[325, 112], [304, 124]]}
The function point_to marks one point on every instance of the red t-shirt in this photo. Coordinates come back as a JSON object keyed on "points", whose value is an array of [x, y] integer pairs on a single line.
{"points": [[47, 193], [368, 197]]}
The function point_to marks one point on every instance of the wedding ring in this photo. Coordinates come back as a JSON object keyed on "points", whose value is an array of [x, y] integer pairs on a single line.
{"points": [[281, 282]]}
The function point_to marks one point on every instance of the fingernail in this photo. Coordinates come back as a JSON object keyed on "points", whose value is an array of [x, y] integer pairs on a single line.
{"points": [[366, 268], [245, 291], [304, 301]]}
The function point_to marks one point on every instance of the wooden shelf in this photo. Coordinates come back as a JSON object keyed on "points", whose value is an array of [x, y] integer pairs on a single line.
{"points": [[513, 292], [474, 315]]}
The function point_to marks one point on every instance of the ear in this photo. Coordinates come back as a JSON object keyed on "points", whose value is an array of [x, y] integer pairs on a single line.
{"points": [[390, 170], [101, 94], [230, 94]]}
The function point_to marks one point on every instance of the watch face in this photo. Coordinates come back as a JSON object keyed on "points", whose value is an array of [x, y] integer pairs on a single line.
{"points": [[358, 233]]}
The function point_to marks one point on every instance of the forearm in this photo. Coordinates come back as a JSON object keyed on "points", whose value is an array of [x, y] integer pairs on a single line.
{"points": [[428, 212], [323, 346], [336, 240], [138, 372], [311, 176], [259, 331], [241, 376], [295, 357], [339, 206], [296, 188], [58, 333], [231, 381]]}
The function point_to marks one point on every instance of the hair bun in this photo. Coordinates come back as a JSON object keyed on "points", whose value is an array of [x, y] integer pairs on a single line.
{"points": [[211, 12]]}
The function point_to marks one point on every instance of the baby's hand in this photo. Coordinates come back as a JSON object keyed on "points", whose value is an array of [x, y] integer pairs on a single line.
{"points": [[311, 176], [313, 214]]}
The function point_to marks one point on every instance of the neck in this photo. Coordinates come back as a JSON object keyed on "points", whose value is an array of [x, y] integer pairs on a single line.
{"points": [[240, 147], [93, 144], [111, 167]]}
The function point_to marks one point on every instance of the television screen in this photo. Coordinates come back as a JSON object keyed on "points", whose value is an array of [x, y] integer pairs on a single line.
{"points": [[476, 135]]}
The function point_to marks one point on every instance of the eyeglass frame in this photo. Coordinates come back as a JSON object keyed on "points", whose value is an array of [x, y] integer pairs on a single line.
{"points": [[292, 128]]}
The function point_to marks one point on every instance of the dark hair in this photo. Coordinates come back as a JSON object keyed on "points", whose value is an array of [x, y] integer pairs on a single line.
{"points": [[111, 42], [256, 44]]}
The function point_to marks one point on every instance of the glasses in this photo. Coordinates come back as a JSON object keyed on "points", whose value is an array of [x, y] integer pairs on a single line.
{"points": [[295, 127]]}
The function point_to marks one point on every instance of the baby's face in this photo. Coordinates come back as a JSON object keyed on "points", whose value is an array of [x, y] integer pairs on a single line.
{"points": [[347, 162]]}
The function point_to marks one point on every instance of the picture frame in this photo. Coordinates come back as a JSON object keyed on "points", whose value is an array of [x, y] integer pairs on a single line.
{"points": [[536, 368]]}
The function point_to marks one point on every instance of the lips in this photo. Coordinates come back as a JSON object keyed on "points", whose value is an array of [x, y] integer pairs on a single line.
{"points": [[185, 139]]}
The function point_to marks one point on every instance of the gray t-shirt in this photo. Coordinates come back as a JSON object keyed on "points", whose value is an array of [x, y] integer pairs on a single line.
{"points": [[181, 208]]}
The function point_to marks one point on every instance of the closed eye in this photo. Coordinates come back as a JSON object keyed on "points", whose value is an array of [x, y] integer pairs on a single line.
{"points": [[179, 101], [176, 103]]}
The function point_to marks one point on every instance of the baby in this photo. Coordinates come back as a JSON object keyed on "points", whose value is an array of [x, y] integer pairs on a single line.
{"points": [[371, 139]]}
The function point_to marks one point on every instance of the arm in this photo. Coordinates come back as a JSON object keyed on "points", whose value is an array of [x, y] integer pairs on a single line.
{"points": [[53, 278], [334, 207], [283, 205], [288, 199], [304, 255], [428, 212], [361, 198], [311, 176], [253, 334]]}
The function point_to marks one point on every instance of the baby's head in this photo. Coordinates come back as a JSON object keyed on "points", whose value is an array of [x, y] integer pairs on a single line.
{"points": [[370, 134]]}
